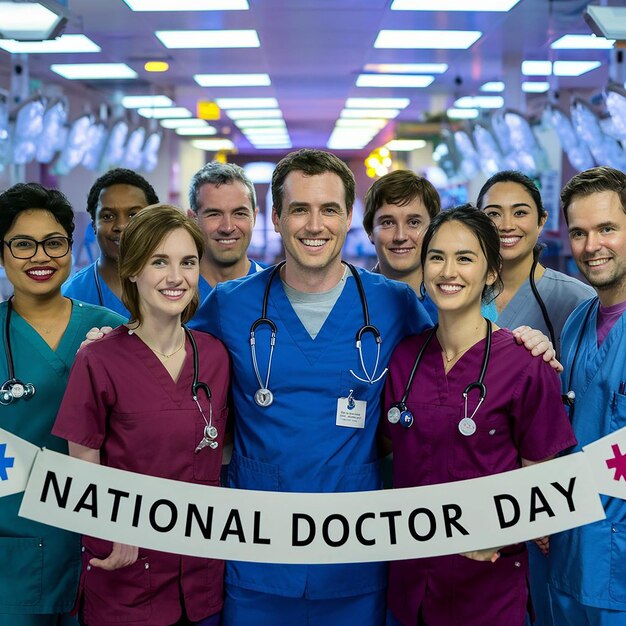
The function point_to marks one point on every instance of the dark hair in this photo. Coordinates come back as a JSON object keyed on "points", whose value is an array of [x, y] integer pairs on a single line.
{"points": [[594, 180], [486, 233], [118, 176], [27, 196], [140, 239], [513, 176], [216, 173], [399, 187], [311, 163]]}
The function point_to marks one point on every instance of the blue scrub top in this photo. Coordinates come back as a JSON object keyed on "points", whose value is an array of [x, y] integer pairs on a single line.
{"points": [[588, 563], [84, 285], [295, 444], [205, 289]]}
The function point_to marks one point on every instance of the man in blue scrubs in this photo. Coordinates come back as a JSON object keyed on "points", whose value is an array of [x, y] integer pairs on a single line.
{"points": [[113, 200], [223, 202], [588, 564], [303, 441]]}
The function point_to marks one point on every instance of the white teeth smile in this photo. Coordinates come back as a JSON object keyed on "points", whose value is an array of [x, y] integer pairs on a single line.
{"points": [[226, 241], [172, 293], [41, 272], [450, 288], [401, 250], [597, 262], [508, 241], [316, 243]]}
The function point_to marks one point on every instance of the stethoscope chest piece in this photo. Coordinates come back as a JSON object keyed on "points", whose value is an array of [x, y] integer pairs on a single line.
{"points": [[467, 426], [393, 414], [264, 397], [406, 419], [14, 390]]}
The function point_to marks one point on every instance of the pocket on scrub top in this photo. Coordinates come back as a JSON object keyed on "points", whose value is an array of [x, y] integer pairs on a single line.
{"points": [[479, 454], [121, 595], [245, 473], [22, 570], [207, 463], [618, 417], [617, 581], [364, 477]]}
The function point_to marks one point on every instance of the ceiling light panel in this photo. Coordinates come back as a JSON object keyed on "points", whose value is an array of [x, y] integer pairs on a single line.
{"points": [[365, 123], [134, 102], [187, 5], [427, 39], [232, 80], [246, 103], [535, 87], [64, 44], [164, 112], [246, 123], [183, 122], [453, 5], [213, 145], [28, 21], [405, 145], [250, 114], [93, 71], [582, 42], [536, 68], [462, 114], [574, 68], [494, 86], [394, 80], [177, 39], [377, 103], [375, 113], [407, 68], [196, 131], [479, 102]]}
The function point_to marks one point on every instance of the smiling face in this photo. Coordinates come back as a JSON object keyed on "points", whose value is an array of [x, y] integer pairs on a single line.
{"points": [[41, 275], [597, 234], [397, 236], [513, 211], [313, 224], [226, 217], [169, 280], [455, 271], [117, 204]]}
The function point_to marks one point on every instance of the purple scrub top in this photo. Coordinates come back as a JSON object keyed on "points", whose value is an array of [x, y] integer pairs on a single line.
{"points": [[121, 399], [521, 418]]}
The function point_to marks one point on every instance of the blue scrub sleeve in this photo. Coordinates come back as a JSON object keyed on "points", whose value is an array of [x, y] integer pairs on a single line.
{"points": [[207, 317]]}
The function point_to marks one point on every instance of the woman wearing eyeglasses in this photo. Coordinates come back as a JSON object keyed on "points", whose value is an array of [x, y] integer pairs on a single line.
{"points": [[41, 332]]}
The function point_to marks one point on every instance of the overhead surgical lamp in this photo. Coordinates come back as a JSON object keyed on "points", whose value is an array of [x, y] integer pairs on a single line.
{"points": [[32, 21], [607, 21]]}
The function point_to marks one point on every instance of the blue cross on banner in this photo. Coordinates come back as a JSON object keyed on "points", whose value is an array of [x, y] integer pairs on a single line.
{"points": [[5, 462]]}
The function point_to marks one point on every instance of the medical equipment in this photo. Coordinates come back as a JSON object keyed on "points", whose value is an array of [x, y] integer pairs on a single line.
{"points": [[400, 413], [264, 396], [13, 388]]}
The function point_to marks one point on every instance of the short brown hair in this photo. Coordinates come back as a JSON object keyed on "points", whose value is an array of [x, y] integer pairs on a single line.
{"points": [[594, 180], [311, 163], [399, 187], [140, 239]]}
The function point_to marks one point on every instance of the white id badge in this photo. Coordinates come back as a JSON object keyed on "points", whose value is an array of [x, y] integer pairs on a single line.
{"points": [[351, 412]]}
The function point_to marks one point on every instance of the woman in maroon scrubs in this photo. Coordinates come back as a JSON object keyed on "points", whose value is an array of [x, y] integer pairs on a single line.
{"points": [[129, 405]]}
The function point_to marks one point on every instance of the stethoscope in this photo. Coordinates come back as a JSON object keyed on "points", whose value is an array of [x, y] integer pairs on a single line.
{"points": [[13, 389], [210, 431], [540, 302], [263, 396], [400, 413], [96, 278], [569, 397]]}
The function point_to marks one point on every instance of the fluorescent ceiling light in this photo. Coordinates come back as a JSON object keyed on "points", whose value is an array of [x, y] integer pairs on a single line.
{"points": [[265, 131], [453, 5], [377, 103], [193, 122], [535, 87], [164, 113], [574, 68], [208, 38], [213, 145], [187, 5], [375, 113], [405, 145], [246, 103], [607, 21], [365, 123], [582, 42], [394, 80], [536, 68], [269, 140], [334, 144], [30, 21], [197, 131], [479, 102], [135, 102], [232, 80], [494, 86], [250, 114], [65, 43], [246, 123], [93, 71], [407, 68], [462, 114], [427, 39]]}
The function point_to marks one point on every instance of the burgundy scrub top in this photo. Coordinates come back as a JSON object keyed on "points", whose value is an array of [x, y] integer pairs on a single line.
{"points": [[522, 417], [121, 399]]}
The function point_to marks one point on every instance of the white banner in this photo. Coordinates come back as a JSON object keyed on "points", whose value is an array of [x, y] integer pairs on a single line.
{"points": [[276, 527]]}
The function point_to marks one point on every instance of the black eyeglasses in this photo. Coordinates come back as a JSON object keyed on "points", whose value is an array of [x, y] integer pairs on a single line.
{"points": [[26, 247]]}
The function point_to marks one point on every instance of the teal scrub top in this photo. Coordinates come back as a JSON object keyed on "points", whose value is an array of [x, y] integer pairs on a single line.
{"points": [[40, 565]]}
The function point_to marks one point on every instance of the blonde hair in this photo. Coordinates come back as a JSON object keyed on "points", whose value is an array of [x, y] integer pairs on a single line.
{"points": [[140, 239]]}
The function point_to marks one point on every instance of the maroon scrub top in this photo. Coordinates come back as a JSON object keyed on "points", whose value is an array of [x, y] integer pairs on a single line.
{"points": [[522, 417], [121, 400]]}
